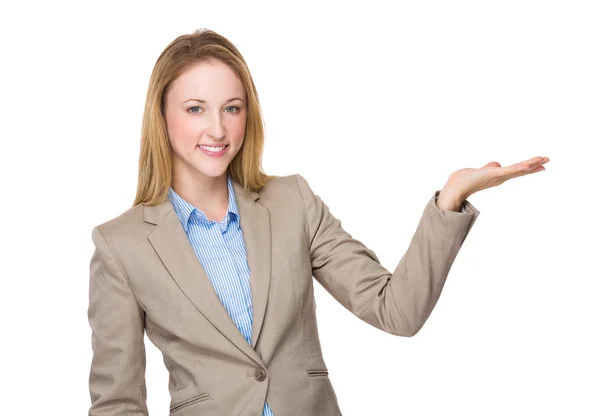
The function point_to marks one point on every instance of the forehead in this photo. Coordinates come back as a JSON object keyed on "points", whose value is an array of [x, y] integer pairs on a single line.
{"points": [[207, 80]]}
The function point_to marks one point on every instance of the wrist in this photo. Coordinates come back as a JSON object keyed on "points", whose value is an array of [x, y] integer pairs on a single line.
{"points": [[449, 200]]}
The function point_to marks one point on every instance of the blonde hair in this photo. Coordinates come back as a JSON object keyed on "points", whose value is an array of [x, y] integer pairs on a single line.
{"points": [[155, 163]]}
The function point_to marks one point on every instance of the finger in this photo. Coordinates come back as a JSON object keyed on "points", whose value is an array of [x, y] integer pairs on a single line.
{"points": [[539, 163], [530, 163], [515, 172]]}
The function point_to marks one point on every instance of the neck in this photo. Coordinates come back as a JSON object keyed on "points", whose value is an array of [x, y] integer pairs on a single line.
{"points": [[211, 194]]}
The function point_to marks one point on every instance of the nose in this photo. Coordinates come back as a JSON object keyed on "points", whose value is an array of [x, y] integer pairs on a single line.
{"points": [[217, 129]]}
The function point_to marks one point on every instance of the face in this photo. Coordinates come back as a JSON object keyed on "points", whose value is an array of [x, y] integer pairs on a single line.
{"points": [[206, 105]]}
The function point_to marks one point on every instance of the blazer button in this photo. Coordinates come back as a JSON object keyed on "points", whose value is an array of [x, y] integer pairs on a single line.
{"points": [[260, 374]]}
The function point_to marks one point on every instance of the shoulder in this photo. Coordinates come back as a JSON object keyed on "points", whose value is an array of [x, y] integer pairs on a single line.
{"points": [[287, 196], [280, 187], [288, 183], [289, 188], [127, 224]]}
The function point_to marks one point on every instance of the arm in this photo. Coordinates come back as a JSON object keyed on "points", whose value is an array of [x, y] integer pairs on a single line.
{"points": [[117, 374], [400, 302]]}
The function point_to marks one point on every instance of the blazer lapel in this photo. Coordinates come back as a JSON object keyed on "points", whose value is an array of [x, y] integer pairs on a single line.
{"points": [[177, 254], [256, 230]]}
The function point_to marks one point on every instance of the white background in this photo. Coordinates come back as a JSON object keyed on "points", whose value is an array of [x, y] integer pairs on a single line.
{"points": [[375, 104]]}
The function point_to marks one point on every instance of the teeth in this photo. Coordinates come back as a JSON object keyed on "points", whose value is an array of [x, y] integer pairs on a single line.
{"points": [[213, 149]]}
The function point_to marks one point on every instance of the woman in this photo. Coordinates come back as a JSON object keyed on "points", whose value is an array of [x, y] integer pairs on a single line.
{"points": [[215, 259]]}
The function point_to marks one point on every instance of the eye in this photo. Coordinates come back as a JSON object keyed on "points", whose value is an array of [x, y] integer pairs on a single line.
{"points": [[236, 107]]}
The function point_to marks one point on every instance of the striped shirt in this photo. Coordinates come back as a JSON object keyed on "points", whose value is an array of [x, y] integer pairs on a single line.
{"points": [[221, 250]]}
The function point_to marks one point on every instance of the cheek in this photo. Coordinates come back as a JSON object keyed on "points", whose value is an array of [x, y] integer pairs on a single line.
{"points": [[239, 127], [182, 131]]}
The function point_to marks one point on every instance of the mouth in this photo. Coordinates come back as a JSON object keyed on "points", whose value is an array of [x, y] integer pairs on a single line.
{"points": [[213, 151]]}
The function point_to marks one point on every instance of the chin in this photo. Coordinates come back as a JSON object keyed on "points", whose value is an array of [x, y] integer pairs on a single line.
{"points": [[213, 173]]}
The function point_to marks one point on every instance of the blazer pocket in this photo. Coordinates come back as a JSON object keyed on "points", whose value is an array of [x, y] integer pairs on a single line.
{"points": [[188, 402], [318, 372]]}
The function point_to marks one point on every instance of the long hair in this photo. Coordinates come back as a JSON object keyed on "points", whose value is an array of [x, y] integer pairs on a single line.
{"points": [[155, 162]]}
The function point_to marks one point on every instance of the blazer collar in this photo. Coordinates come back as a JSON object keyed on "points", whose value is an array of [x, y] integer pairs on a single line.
{"points": [[177, 254], [184, 209]]}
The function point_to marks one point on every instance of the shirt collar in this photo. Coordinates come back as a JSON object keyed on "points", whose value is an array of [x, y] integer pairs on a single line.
{"points": [[184, 209]]}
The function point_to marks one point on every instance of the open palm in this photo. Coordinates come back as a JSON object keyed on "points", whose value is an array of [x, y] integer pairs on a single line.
{"points": [[471, 180]]}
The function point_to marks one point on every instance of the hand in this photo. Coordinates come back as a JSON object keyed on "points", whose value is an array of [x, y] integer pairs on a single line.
{"points": [[465, 182]]}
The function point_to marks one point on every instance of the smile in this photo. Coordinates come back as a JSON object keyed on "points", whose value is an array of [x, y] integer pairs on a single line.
{"points": [[213, 151]]}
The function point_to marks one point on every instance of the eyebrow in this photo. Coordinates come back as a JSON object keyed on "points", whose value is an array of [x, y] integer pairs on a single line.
{"points": [[202, 101]]}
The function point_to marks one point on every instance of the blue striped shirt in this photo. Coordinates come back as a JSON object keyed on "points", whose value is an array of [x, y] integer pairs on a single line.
{"points": [[221, 250]]}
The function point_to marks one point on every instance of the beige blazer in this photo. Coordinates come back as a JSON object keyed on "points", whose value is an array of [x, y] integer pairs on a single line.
{"points": [[145, 276]]}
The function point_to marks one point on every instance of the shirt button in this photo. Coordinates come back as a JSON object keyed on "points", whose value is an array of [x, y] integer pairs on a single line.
{"points": [[260, 374]]}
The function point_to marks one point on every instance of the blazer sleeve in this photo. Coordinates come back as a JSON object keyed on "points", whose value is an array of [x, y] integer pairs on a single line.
{"points": [[117, 375], [400, 302]]}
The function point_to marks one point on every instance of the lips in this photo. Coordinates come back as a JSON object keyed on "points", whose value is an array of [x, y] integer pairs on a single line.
{"points": [[214, 147], [213, 153]]}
